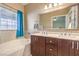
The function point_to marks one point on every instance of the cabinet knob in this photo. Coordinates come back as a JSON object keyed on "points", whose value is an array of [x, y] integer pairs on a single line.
{"points": [[50, 49], [50, 41]]}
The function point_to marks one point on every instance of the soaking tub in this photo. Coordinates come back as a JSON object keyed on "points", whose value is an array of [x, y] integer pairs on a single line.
{"points": [[14, 48]]}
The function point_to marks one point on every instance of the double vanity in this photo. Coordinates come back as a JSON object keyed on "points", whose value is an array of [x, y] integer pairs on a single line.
{"points": [[60, 44], [54, 45]]}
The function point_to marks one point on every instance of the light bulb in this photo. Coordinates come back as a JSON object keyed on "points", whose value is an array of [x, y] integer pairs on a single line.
{"points": [[55, 4], [60, 3], [45, 7], [50, 5]]}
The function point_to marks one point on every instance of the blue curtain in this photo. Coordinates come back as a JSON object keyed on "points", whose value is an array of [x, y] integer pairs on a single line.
{"points": [[19, 32]]}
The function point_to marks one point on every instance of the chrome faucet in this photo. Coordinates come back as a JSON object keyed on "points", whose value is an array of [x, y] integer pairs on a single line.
{"points": [[65, 34]]}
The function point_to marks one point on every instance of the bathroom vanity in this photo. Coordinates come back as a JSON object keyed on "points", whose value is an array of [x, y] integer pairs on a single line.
{"points": [[53, 45], [43, 44]]}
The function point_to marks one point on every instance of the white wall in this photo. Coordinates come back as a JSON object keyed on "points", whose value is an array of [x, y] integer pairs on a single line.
{"points": [[32, 18]]}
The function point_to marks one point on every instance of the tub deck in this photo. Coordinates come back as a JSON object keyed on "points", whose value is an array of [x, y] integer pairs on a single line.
{"points": [[15, 47]]}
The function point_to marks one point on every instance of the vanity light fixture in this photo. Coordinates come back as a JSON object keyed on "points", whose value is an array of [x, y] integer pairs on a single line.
{"points": [[60, 3], [45, 7], [55, 4], [50, 5]]}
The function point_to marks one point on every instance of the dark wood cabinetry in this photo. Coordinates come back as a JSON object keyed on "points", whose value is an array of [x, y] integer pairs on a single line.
{"points": [[63, 47], [71, 48], [37, 46], [76, 48], [51, 46], [41, 46]]}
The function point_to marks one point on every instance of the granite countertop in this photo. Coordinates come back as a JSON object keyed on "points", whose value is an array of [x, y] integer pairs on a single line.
{"points": [[57, 36]]}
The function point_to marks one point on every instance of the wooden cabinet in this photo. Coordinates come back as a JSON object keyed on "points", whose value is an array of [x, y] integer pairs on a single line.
{"points": [[51, 46], [34, 46], [76, 48], [63, 47], [37, 46], [72, 48], [68, 48], [41, 46]]}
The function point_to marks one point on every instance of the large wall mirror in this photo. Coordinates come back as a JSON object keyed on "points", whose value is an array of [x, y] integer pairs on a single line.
{"points": [[58, 22], [66, 18]]}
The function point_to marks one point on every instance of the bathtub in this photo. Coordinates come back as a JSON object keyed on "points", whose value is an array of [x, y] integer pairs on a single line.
{"points": [[15, 47]]}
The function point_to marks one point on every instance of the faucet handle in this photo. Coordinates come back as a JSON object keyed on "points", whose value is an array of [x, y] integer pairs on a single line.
{"points": [[61, 33], [65, 33], [69, 34]]}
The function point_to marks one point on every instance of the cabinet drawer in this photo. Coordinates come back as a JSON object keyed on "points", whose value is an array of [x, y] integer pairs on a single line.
{"points": [[54, 47], [51, 54], [51, 50], [51, 40]]}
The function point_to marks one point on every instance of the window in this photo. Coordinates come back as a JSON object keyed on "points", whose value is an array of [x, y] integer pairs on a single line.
{"points": [[8, 19]]}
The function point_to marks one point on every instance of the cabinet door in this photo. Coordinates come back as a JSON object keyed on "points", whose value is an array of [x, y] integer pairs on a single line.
{"points": [[35, 46], [51, 50], [63, 47], [72, 48], [42, 45], [76, 48]]}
